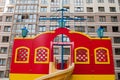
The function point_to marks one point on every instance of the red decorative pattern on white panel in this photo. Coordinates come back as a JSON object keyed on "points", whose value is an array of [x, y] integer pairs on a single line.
{"points": [[101, 55], [82, 55], [22, 54], [41, 55]]}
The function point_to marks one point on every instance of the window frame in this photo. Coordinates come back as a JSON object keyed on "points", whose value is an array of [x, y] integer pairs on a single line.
{"points": [[115, 29], [5, 39], [89, 9], [35, 55], [101, 9], [16, 53], [117, 63], [112, 9], [116, 41], [88, 56], [107, 53]]}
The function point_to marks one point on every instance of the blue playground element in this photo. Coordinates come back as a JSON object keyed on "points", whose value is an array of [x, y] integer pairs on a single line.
{"points": [[24, 32], [100, 32]]}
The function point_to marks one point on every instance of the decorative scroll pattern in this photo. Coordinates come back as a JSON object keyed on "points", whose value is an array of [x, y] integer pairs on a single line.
{"points": [[41, 55], [101, 56], [82, 55], [22, 55]]}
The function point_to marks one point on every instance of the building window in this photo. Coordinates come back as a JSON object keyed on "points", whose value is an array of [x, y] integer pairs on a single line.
{"points": [[117, 63], [105, 28], [3, 50], [111, 1], [8, 18], [26, 8], [114, 19], [78, 2], [7, 73], [42, 18], [7, 29], [55, 2], [80, 28], [117, 51], [31, 28], [25, 16], [43, 1], [119, 2], [5, 39], [102, 18], [100, 1], [91, 29], [8, 62], [1, 9], [12, 1], [89, 1], [68, 27], [0, 18], [112, 9], [10, 9], [101, 9], [89, 9], [79, 9], [118, 76], [79, 17], [54, 9], [27, 1], [90, 18], [2, 62], [115, 29], [42, 28], [67, 8], [52, 28], [1, 74], [18, 18], [66, 1], [43, 9], [2, 1], [52, 0], [116, 39]]}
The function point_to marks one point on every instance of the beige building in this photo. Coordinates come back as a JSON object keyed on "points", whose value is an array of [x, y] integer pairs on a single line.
{"points": [[15, 14]]}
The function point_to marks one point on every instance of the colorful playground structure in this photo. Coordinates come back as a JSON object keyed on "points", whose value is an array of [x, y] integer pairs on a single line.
{"points": [[89, 59]]}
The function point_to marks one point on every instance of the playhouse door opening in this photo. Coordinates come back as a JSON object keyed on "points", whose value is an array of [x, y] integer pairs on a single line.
{"points": [[57, 49], [62, 51]]}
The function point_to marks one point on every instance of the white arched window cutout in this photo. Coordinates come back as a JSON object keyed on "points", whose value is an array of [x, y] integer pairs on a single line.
{"points": [[61, 37]]}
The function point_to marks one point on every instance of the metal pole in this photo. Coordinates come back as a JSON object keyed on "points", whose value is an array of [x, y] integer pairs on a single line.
{"points": [[62, 48], [62, 55], [62, 17]]}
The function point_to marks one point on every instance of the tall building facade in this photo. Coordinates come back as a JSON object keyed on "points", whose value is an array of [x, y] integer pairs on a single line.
{"points": [[15, 14], [6, 13]]}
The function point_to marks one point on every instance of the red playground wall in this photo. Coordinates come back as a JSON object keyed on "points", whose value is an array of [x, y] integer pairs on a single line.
{"points": [[90, 55]]}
